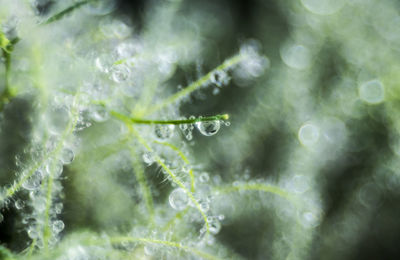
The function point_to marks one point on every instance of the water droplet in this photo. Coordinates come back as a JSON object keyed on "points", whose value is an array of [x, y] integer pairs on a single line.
{"points": [[208, 128], [58, 226], [204, 205], [296, 56], [120, 73], [309, 219], [220, 78], [204, 177], [58, 208], [164, 131], [19, 204], [148, 158], [103, 63], [221, 217], [54, 168], [323, 7], [298, 184], [32, 232], [126, 49], [214, 225], [33, 182], [189, 136], [178, 199], [67, 156], [308, 134], [372, 92], [99, 113]]}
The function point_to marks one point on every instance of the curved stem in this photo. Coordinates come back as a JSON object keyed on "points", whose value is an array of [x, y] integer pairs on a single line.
{"points": [[196, 85], [185, 160], [174, 179], [66, 11], [70, 128]]}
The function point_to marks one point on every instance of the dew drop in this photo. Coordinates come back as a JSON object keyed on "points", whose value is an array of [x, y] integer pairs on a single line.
{"points": [[99, 113], [148, 158], [19, 204], [164, 131], [372, 92], [309, 219], [126, 49], [204, 205], [308, 134], [189, 136], [208, 128], [204, 177], [58, 208], [103, 63], [58, 226], [178, 199], [54, 168], [220, 78], [32, 232], [120, 73], [296, 56], [33, 182], [214, 225], [67, 156]]}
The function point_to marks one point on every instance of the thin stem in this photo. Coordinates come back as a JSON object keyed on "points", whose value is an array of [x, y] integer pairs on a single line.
{"points": [[69, 129], [167, 122], [66, 11], [192, 250], [196, 85], [139, 172], [174, 179], [185, 160]]}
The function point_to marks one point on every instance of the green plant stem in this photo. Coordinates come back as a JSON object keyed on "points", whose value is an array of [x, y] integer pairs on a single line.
{"points": [[185, 160], [69, 129], [196, 85], [130, 120], [174, 179], [139, 172], [66, 11], [117, 240]]}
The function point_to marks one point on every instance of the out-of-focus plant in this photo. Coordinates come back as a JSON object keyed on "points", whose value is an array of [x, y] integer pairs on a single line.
{"points": [[101, 157], [98, 98]]}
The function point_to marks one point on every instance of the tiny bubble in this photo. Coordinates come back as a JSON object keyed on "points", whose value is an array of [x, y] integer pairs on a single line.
{"points": [[58, 226], [178, 199]]}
